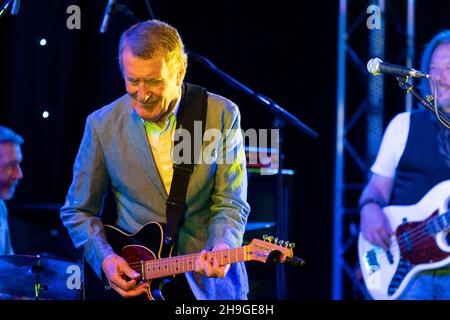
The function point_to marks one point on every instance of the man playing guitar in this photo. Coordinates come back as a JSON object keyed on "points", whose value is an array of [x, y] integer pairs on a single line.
{"points": [[127, 149], [413, 158]]}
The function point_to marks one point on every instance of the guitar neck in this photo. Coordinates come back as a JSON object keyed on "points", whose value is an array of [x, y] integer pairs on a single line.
{"points": [[439, 223], [153, 269]]}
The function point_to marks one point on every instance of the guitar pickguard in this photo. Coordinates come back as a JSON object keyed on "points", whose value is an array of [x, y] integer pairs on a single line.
{"points": [[419, 247]]}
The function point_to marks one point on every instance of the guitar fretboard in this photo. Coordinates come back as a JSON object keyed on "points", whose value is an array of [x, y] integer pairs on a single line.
{"points": [[153, 269]]}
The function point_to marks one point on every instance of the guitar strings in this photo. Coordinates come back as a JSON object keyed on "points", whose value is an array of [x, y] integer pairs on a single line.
{"points": [[184, 257], [417, 236], [419, 233], [397, 250], [418, 243], [157, 263], [166, 260]]}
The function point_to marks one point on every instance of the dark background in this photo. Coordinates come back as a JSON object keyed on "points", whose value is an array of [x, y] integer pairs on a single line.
{"points": [[286, 50]]}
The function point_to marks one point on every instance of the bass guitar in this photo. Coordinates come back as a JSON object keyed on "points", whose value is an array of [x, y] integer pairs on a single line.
{"points": [[419, 243]]}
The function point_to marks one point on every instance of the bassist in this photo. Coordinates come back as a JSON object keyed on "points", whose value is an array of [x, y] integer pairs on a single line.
{"points": [[414, 157]]}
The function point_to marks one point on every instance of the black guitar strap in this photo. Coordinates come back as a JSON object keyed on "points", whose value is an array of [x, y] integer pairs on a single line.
{"points": [[193, 107]]}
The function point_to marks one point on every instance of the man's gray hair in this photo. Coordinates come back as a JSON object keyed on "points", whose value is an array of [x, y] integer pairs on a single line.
{"points": [[151, 39], [9, 136]]}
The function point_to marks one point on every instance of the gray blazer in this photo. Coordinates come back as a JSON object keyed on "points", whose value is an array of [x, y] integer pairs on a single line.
{"points": [[115, 154], [5, 238]]}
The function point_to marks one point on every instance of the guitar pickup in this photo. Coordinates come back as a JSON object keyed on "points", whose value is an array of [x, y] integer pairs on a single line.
{"points": [[371, 262]]}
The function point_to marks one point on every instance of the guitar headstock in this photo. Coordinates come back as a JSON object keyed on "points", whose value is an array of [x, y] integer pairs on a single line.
{"points": [[270, 249]]}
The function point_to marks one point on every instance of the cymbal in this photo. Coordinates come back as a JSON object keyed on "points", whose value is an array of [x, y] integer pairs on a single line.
{"points": [[21, 275]]}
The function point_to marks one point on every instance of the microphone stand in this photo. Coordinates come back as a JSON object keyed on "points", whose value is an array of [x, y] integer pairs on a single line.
{"points": [[126, 11], [282, 117], [118, 7], [403, 83], [5, 7], [280, 113], [266, 101]]}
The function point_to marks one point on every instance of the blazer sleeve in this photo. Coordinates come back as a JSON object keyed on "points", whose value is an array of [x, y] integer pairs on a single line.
{"points": [[80, 213], [229, 209]]}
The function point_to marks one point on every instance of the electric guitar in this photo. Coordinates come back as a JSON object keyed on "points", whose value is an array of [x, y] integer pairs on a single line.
{"points": [[147, 253], [419, 243]]}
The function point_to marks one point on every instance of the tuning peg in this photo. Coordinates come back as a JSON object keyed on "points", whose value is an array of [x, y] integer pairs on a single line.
{"points": [[286, 244], [275, 241], [281, 242], [291, 245], [265, 236], [269, 238]]}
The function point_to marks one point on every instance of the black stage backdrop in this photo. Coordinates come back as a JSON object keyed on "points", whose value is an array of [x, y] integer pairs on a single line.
{"points": [[283, 49]]}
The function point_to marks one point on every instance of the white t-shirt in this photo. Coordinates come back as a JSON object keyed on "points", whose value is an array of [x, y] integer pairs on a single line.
{"points": [[392, 146]]}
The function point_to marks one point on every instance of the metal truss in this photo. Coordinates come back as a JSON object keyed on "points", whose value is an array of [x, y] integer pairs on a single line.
{"points": [[359, 128]]}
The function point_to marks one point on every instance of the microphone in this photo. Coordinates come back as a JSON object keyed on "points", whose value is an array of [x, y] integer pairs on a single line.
{"points": [[376, 66], [108, 12], [15, 7]]}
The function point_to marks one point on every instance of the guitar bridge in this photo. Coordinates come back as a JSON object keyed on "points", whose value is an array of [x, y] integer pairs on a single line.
{"points": [[371, 262]]}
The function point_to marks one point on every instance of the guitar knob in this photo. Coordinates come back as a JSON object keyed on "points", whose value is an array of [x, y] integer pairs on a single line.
{"points": [[281, 242], [269, 238], [265, 236], [275, 241], [291, 245], [286, 244]]}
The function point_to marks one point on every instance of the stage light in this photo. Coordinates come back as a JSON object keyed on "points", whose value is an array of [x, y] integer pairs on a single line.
{"points": [[45, 114], [43, 42]]}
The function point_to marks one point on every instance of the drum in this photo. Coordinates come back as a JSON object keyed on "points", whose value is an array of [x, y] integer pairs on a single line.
{"points": [[26, 277]]}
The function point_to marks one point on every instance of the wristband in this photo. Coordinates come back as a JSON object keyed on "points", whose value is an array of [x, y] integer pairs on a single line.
{"points": [[379, 202]]}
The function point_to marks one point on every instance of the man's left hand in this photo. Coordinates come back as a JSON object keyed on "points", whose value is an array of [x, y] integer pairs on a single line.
{"points": [[208, 266]]}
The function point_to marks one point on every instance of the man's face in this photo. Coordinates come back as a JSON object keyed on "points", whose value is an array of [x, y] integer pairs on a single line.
{"points": [[440, 73], [10, 171], [151, 79]]}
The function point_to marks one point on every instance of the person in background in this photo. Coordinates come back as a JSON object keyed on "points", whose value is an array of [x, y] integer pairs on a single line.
{"points": [[10, 175], [414, 156]]}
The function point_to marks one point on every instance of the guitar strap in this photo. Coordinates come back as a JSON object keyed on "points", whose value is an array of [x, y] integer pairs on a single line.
{"points": [[193, 107]]}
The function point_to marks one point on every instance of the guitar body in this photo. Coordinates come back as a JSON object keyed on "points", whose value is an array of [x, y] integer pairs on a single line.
{"points": [[419, 244], [145, 245]]}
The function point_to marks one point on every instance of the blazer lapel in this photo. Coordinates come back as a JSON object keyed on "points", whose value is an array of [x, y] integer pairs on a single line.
{"points": [[138, 137]]}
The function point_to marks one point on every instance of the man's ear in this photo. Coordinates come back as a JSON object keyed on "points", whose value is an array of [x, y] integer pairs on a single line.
{"points": [[182, 72], [180, 76]]}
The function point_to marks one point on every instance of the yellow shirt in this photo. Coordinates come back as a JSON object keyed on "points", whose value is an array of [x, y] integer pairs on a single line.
{"points": [[161, 142]]}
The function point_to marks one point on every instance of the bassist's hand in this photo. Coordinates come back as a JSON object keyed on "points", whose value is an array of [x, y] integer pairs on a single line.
{"points": [[375, 226], [122, 278]]}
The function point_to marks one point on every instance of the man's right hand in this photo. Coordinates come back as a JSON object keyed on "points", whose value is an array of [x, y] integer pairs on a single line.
{"points": [[375, 226], [122, 278]]}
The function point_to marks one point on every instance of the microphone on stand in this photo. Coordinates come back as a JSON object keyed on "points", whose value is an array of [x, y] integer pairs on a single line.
{"points": [[108, 12], [376, 66]]}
